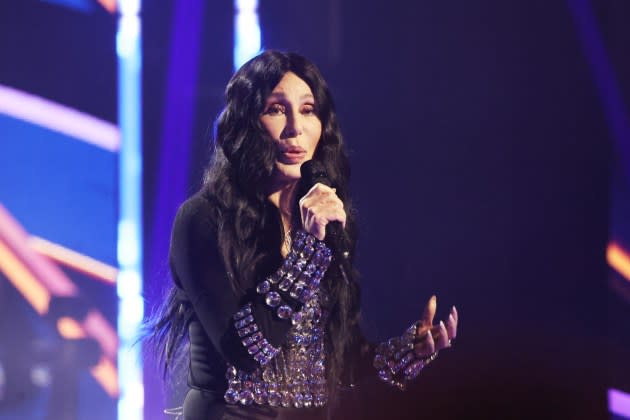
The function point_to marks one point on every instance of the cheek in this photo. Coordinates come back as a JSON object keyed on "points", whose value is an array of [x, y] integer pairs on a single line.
{"points": [[271, 127]]}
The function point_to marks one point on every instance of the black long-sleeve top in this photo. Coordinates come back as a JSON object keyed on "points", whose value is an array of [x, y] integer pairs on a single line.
{"points": [[201, 277], [198, 270]]}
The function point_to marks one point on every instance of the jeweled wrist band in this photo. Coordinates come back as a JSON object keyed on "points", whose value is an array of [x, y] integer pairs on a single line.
{"points": [[300, 274], [396, 361], [257, 346]]}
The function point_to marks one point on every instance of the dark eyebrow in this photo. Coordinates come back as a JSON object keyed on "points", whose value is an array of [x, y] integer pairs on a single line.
{"points": [[282, 95]]}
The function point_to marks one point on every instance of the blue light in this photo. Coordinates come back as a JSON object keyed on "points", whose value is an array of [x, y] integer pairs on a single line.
{"points": [[247, 35], [129, 282]]}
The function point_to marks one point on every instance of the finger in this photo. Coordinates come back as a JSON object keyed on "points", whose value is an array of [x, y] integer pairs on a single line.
{"points": [[455, 314], [320, 223], [441, 341], [320, 189], [451, 327], [331, 212], [426, 347], [429, 312]]}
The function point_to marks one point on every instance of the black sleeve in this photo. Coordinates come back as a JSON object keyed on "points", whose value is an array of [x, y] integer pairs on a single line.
{"points": [[198, 269]]}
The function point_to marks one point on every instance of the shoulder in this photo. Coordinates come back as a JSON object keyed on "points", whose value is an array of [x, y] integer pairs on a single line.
{"points": [[195, 220]]}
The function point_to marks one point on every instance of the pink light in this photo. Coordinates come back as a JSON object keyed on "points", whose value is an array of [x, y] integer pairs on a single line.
{"points": [[97, 326], [619, 403], [60, 118], [48, 274]]}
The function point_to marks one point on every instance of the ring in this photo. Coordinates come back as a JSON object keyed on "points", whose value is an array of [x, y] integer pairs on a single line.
{"points": [[430, 358]]}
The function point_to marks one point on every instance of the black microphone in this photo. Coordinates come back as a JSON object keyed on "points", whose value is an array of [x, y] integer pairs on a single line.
{"points": [[312, 172]]}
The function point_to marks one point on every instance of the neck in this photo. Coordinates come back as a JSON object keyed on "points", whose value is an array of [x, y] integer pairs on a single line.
{"points": [[283, 196]]}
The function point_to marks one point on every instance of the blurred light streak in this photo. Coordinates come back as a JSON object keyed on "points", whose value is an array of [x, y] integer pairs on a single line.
{"points": [[604, 78], [97, 327], [129, 7], [109, 5], [69, 328], [619, 403], [24, 281], [74, 260], [129, 283], [60, 118], [46, 273], [38, 280], [105, 373], [247, 33], [619, 259]]}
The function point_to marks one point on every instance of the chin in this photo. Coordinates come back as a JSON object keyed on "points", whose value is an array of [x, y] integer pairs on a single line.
{"points": [[287, 173]]}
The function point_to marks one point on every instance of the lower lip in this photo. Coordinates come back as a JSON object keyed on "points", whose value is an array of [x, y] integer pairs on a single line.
{"points": [[291, 157]]}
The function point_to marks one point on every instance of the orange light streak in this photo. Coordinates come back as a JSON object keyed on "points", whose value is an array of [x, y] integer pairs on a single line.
{"points": [[37, 279], [106, 374], [23, 280], [73, 259], [47, 274], [70, 328], [619, 259], [109, 5]]}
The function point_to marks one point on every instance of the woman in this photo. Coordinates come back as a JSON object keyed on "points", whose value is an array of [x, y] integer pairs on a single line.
{"points": [[271, 315]]}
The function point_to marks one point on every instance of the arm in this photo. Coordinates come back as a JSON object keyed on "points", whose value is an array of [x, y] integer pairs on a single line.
{"points": [[400, 359], [236, 323]]}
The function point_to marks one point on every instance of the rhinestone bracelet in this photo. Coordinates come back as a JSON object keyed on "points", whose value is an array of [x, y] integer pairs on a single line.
{"points": [[396, 361], [251, 337], [299, 275]]}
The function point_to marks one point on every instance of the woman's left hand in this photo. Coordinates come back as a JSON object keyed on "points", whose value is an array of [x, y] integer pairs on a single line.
{"points": [[432, 338]]}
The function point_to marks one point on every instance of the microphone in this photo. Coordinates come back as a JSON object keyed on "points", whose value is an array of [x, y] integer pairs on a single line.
{"points": [[312, 172]]}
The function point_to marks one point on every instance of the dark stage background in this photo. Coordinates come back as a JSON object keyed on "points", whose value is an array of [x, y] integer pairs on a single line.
{"points": [[490, 148], [481, 161]]}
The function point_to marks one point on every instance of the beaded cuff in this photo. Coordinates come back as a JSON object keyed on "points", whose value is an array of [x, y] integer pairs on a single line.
{"points": [[293, 375], [257, 346], [396, 361], [299, 276], [296, 376]]}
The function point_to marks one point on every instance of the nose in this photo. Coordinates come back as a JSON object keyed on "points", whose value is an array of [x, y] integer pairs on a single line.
{"points": [[293, 127]]}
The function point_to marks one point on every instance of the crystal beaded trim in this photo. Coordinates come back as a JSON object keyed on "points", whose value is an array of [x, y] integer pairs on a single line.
{"points": [[396, 361], [299, 275], [251, 338], [295, 377]]}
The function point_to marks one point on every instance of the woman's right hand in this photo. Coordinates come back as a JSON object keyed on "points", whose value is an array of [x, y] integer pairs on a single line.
{"points": [[320, 206]]}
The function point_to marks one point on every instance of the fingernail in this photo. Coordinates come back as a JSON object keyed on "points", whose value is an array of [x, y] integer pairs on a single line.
{"points": [[442, 324]]}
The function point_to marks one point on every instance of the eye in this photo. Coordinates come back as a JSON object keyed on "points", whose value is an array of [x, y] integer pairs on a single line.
{"points": [[309, 109], [275, 109]]}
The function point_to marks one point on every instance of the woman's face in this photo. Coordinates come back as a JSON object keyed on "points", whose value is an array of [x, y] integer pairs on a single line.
{"points": [[290, 117]]}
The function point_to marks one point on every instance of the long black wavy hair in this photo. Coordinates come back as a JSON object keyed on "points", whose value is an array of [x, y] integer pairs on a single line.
{"points": [[249, 231]]}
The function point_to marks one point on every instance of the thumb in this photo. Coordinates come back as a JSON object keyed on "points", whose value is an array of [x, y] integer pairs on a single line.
{"points": [[429, 313]]}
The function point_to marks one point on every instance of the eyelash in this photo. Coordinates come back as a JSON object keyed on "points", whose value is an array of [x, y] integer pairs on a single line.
{"points": [[276, 109]]}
